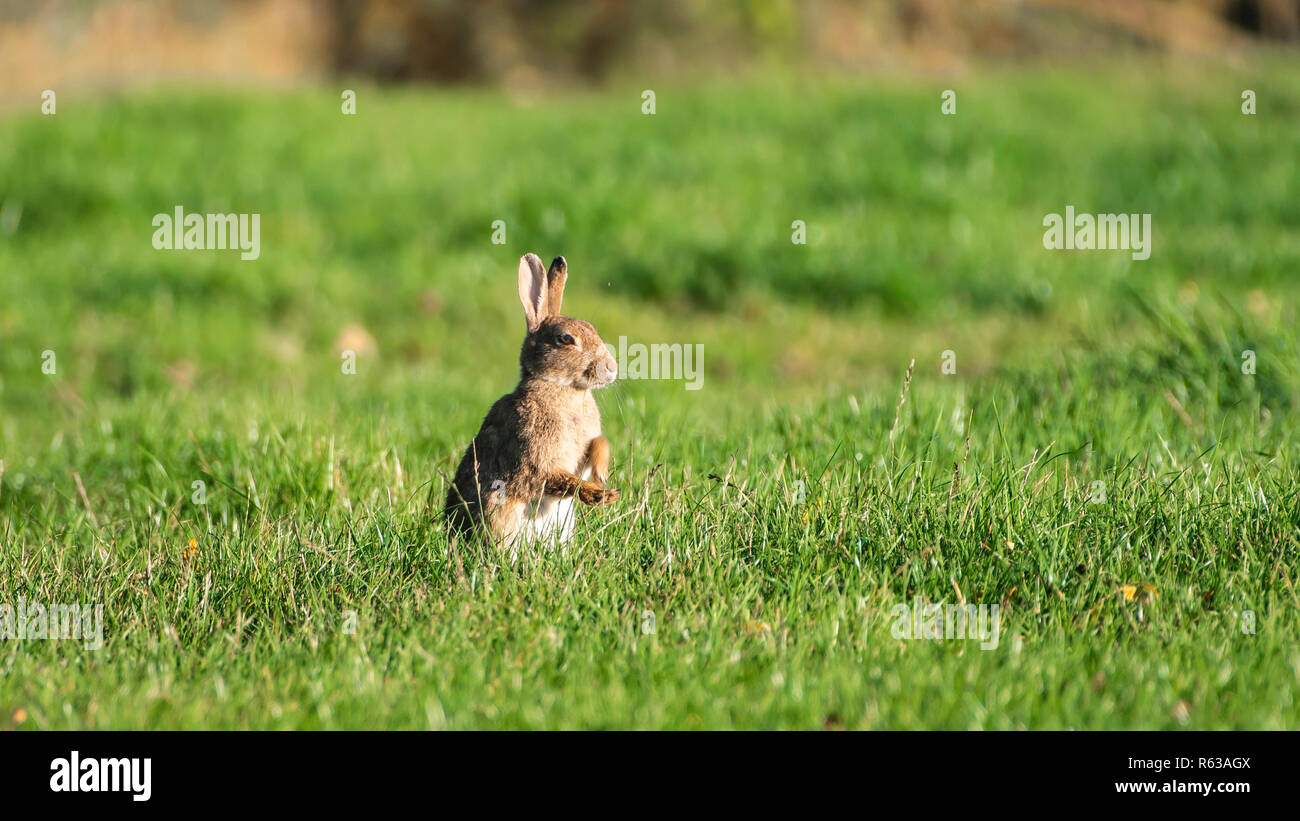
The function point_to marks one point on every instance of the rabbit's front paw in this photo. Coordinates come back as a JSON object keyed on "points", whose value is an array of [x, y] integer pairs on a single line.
{"points": [[593, 494]]}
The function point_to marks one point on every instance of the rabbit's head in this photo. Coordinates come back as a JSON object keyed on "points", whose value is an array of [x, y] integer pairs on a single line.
{"points": [[558, 349]]}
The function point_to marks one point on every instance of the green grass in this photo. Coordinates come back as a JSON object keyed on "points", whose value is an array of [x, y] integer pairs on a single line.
{"points": [[324, 489]]}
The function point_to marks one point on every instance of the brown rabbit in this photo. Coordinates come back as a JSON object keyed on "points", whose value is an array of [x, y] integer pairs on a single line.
{"points": [[540, 446]]}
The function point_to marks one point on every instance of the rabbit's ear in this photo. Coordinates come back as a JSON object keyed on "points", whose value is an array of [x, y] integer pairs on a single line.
{"points": [[532, 290], [555, 279]]}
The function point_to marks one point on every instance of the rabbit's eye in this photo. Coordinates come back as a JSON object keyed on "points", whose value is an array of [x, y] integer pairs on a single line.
{"points": [[566, 339]]}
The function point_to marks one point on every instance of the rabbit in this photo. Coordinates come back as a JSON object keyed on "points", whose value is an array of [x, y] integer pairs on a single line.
{"points": [[541, 446]]}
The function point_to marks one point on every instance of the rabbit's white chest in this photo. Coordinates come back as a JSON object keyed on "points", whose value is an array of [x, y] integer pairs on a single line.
{"points": [[549, 519]]}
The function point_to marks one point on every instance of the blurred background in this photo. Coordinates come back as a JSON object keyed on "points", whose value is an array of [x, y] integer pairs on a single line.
{"points": [[924, 229], [519, 43]]}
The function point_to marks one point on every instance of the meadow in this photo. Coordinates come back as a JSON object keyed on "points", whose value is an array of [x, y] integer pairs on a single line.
{"points": [[262, 527]]}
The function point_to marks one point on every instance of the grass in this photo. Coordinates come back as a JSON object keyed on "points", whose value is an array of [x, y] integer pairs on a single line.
{"points": [[770, 521]]}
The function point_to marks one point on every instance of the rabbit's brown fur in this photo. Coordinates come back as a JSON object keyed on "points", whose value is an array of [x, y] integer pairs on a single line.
{"points": [[541, 445]]}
